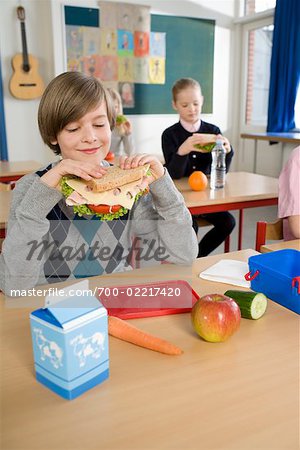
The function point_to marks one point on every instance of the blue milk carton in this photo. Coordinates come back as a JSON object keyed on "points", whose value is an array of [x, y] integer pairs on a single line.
{"points": [[70, 342]]}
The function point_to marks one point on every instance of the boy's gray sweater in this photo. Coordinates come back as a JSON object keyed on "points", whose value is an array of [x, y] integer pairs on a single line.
{"points": [[46, 242]]}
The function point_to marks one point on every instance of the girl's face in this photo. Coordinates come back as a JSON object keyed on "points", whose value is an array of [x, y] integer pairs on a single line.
{"points": [[86, 139], [188, 104]]}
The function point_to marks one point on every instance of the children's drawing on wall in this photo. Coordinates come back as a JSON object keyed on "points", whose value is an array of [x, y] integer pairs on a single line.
{"points": [[125, 16], [108, 68], [125, 43], [157, 70], [141, 72], [158, 44], [108, 14], [91, 65], [126, 69], [74, 65], [74, 40], [108, 42], [141, 43], [141, 18], [126, 91], [91, 41]]}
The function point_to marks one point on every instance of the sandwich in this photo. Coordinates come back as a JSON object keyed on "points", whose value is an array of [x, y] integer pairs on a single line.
{"points": [[205, 148], [120, 119], [108, 197]]}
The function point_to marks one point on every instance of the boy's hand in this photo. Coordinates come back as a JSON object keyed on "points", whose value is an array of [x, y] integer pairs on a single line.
{"points": [[80, 169], [156, 167]]}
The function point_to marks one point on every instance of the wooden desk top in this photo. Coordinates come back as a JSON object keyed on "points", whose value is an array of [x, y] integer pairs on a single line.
{"points": [[295, 244], [5, 201], [293, 138], [239, 187], [237, 395], [16, 168]]}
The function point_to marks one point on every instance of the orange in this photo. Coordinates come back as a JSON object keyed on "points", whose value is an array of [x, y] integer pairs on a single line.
{"points": [[198, 181]]}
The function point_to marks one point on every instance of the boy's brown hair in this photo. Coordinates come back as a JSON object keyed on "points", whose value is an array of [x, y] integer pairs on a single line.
{"points": [[184, 83], [67, 98]]}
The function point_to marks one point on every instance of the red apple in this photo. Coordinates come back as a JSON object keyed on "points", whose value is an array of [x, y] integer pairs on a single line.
{"points": [[215, 317]]}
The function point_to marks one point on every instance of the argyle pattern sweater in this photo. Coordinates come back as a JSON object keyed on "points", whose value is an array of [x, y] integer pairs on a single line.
{"points": [[46, 242]]}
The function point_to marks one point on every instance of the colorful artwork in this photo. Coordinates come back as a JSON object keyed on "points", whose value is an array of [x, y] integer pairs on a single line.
{"points": [[141, 70], [123, 50], [108, 14], [158, 44], [91, 41], [157, 70], [141, 18], [141, 43], [126, 91], [108, 68], [108, 42], [74, 41], [92, 65], [125, 43], [126, 68], [125, 17]]}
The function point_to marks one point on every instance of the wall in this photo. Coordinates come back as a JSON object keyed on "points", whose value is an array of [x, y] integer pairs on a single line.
{"points": [[45, 37]]}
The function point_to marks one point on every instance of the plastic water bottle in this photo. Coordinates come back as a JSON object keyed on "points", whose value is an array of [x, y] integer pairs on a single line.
{"points": [[218, 166]]}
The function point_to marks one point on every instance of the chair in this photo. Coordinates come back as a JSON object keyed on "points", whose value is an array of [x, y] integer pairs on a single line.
{"points": [[204, 223], [268, 231]]}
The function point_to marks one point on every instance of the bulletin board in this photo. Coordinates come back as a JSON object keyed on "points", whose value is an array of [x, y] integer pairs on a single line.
{"points": [[189, 53]]}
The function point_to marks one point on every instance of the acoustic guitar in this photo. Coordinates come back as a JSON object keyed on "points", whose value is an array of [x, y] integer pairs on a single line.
{"points": [[26, 82]]}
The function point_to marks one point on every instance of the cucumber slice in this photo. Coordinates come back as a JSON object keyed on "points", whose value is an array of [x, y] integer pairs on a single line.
{"points": [[253, 305]]}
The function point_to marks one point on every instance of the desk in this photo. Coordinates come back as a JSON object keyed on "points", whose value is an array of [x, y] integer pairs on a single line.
{"points": [[5, 201], [295, 244], [242, 190], [290, 138], [13, 170], [238, 395]]}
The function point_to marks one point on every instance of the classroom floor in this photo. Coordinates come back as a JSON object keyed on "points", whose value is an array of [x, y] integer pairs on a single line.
{"points": [[251, 216]]}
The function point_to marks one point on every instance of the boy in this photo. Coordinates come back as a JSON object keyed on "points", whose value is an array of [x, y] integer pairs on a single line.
{"points": [[46, 241], [182, 158]]}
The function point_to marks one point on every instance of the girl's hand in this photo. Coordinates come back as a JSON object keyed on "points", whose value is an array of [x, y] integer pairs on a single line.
{"points": [[197, 138], [156, 167], [81, 169], [125, 129]]}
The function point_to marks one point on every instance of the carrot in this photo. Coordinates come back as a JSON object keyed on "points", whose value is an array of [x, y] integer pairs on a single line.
{"points": [[129, 333]]}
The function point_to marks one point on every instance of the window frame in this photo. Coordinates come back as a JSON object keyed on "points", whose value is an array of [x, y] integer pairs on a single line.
{"points": [[252, 23]]}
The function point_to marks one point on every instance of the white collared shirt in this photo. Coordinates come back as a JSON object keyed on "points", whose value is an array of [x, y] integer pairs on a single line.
{"points": [[191, 127]]}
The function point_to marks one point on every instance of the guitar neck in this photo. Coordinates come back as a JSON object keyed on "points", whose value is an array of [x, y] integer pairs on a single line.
{"points": [[26, 66]]}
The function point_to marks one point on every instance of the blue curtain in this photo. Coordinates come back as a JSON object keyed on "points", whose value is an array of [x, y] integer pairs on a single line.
{"points": [[3, 144], [285, 66]]}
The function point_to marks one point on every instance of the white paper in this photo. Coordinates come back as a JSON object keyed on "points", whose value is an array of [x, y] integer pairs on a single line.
{"points": [[227, 271], [58, 295]]}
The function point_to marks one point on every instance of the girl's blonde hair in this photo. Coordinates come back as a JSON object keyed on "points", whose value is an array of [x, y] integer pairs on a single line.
{"points": [[116, 98], [182, 84], [67, 98]]}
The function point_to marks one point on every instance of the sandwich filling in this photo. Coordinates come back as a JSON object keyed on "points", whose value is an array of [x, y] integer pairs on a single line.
{"points": [[116, 195]]}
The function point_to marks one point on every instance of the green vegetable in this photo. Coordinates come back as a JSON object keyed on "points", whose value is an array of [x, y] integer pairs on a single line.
{"points": [[83, 210], [121, 119], [253, 305], [206, 147]]}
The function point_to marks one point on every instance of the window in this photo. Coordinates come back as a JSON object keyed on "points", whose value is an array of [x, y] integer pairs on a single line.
{"points": [[256, 6], [258, 74]]}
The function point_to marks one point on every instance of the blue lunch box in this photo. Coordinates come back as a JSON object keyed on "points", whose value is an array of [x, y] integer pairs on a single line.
{"points": [[277, 275]]}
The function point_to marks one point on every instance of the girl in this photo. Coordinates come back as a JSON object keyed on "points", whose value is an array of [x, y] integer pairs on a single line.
{"points": [[182, 157], [121, 138]]}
